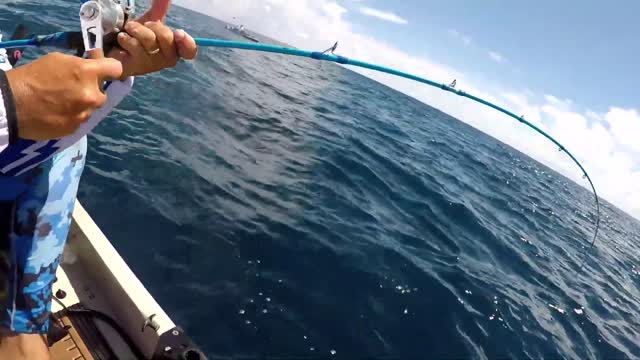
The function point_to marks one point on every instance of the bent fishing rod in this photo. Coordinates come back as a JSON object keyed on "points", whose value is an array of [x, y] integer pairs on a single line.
{"points": [[101, 20]]}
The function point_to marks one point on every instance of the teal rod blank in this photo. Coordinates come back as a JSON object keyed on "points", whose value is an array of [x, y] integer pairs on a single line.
{"points": [[57, 39], [18, 43], [346, 61]]}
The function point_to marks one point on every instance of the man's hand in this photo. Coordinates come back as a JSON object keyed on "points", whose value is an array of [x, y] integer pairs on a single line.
{"points": [[151, 47], [55, 94]]}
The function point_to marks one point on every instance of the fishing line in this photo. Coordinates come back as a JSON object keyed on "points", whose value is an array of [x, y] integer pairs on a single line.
{"points": [[72, 40]]}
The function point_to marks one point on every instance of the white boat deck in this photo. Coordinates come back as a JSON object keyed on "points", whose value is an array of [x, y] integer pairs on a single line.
{"points": [[93, 273]]}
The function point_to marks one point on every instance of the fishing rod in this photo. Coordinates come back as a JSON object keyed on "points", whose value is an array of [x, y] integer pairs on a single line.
{"points": [[102, 19]]}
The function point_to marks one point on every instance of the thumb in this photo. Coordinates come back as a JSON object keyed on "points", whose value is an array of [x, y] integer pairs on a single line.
{"points": [[187, 48], [96, 53], [107, 68]]}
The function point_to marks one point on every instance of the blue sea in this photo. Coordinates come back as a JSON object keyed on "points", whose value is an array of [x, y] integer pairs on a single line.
{"points": [[280, 208]]}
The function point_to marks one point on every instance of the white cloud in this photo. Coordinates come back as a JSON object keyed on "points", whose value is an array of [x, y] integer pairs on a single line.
{"points": [[497, 57], [625, 126], [605, 143], [383, 15], [466, 39], [592, 115], [559, 103], [333, 10]]}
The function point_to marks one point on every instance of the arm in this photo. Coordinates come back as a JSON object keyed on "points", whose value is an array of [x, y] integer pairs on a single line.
{"points": [[64, 104], [115, 92], [52, 98], [19, 155]]}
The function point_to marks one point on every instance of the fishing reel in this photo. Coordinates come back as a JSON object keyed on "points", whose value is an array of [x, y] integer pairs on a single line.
{"points": [[102, 20]]}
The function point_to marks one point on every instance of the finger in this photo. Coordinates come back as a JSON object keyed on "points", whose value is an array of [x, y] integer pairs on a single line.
{"points": [[82, 117], [144, 35], [95, 99], [96, 53], [118, 54], [101, 99], [106, 68], [157, 11], [187, 48], [124, 58], [132, 46], [165, 39]]}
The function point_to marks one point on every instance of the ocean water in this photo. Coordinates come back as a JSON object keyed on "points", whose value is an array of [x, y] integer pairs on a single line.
{"points": [[283, 208]]}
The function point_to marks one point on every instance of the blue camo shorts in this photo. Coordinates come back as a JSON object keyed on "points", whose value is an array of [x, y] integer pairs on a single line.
{"points": [[32, 238]]}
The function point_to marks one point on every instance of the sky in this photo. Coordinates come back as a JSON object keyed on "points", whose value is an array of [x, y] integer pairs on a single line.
{"points": [[570, 67]]}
